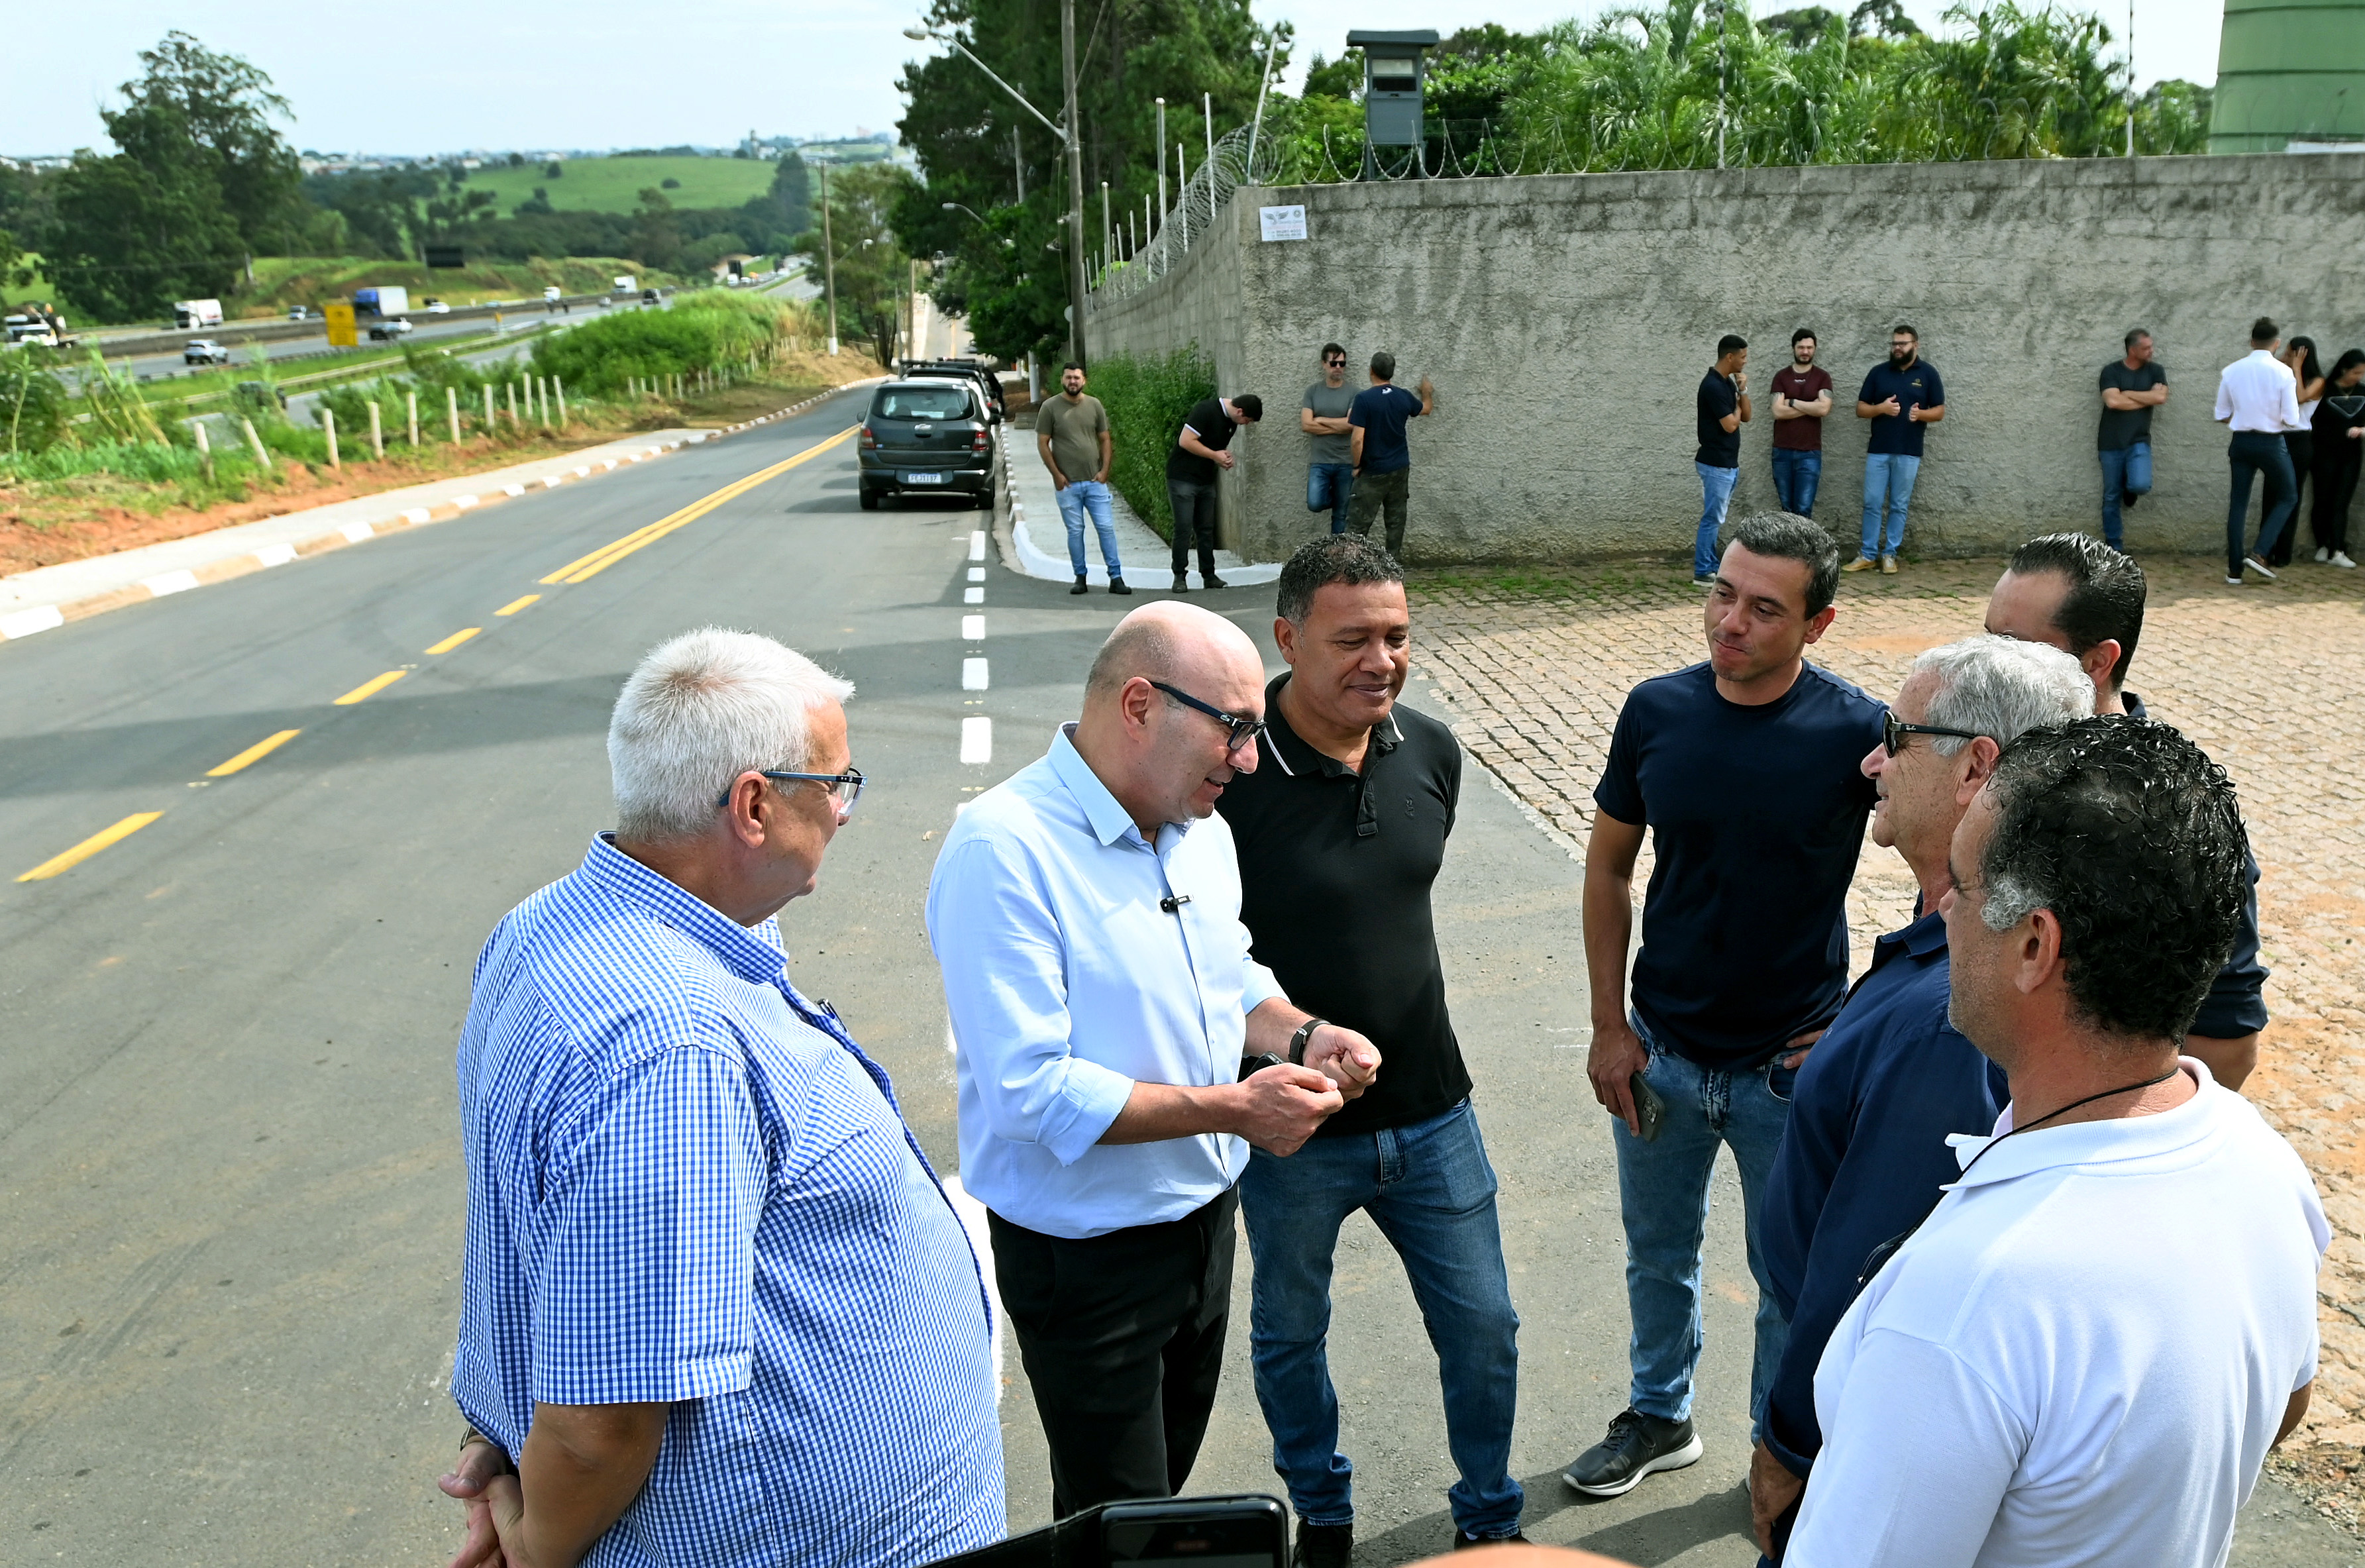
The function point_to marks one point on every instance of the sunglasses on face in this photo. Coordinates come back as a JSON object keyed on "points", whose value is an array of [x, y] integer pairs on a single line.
{"points": [[845, 788], [1893, 733], [1244, 730], [1341, 363]]}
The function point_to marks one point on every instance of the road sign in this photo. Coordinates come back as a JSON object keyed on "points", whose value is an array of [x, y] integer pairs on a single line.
{"points": [[340, 317], [445, 256]]}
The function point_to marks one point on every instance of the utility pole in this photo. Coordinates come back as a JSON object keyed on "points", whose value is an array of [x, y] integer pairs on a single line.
{"points": [[1075, 186], [1108, 234], [1159, 147], [2131, 78], [1018, 162], [828, 261]]}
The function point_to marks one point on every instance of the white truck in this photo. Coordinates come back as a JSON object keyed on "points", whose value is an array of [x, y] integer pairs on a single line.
{"points": [[190, 314], [382, 301], [628, 286]]}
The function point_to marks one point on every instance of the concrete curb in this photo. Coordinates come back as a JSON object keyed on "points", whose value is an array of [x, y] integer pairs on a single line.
{"points": [[237, 559], [1031, 486]]}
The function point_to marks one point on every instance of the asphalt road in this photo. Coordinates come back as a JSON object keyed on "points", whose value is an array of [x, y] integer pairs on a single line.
{"points": [[227, 1147], [158, 368]]}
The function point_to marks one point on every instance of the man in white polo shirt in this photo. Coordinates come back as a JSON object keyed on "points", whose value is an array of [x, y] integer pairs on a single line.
{"points": [[2084, 1353], [2257, 400]]}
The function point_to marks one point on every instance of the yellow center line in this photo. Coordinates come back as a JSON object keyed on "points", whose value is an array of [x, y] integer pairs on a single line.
{"points": [[371, 687], [586, 567], [89, 846], [513, 606], [455, 639], [254, 753]]}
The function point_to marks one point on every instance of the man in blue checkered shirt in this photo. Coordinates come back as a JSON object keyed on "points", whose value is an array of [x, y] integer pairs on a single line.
{"points": [[717, 1308]]}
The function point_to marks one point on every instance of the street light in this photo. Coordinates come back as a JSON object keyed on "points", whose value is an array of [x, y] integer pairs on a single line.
{"points": [[1007, 242], [1067, 134]]}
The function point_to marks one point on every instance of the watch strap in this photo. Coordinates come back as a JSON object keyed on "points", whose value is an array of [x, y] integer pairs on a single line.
{"points": [[1298, 1041]]}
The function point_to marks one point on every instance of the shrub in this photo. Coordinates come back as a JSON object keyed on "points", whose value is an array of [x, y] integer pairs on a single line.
{"points": [[1147, 400], [704, 330], [33, 405]]}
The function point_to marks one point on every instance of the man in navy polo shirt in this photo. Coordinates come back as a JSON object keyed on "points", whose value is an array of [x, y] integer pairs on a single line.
{"points": [[1901, 396], [1375, 430], [1866, 1153], [1743, 769]]}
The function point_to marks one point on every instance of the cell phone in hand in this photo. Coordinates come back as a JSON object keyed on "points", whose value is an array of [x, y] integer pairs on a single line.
{"points": [[1650, 1110], [1206, 1532]]}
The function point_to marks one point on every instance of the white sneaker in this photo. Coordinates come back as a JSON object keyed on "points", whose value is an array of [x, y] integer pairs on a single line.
{"points": [[2322, 555], [2258, 566], [2340, 558], [2233, 582]]}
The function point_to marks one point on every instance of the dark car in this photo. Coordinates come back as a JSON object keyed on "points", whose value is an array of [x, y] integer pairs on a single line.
{"points": [[971, 370], [928, 437]]}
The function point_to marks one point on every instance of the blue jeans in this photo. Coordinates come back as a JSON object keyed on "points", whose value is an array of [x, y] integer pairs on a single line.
{"points": [[1890, 475], [1662, 1194], [2114, 485], [1431, 1191], [2259, 452], [1079, 495], [1797, 477], [1327, 486], [1716, 495]]}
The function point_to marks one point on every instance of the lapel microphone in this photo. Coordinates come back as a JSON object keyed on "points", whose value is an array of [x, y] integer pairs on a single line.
{"points": [[1174, 905]]}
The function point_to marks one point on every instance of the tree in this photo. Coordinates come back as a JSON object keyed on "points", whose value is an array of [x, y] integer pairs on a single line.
{"points": [[227, 107], [656, 236], [873, 273], [136, 231]]}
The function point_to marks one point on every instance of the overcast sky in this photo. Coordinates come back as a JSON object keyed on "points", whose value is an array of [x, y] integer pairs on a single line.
{"points": [[445, 74]]}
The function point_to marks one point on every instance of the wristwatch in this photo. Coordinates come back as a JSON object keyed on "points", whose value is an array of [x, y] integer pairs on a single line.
{"points": [[1251, 1066], [1298, 1041]]}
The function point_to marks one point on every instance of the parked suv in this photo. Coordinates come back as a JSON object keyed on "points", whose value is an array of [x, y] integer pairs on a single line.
{"points": [[928, 437]]}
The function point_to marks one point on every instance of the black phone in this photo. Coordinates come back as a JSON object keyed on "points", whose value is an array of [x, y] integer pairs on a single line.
{"points": [[1249, 1530], [1650, 1110]]}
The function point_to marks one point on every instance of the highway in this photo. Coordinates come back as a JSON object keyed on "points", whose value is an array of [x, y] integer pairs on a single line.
{"points": [[258, 834], [159, 368]]}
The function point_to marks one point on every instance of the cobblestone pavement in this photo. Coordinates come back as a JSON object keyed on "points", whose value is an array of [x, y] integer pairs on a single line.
{"points": [[1531, 669]]}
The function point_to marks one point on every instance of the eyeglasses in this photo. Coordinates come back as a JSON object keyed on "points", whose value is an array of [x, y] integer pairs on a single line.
{"points": [[1338, 361], [845, 788], [1892, 734], [1244, 731]]}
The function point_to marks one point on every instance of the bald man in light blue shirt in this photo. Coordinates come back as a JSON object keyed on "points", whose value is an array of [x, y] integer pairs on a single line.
{"points": [[1118, 1050]]}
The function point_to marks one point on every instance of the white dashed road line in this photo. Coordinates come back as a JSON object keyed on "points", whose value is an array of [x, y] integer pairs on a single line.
{"points": [[974, 596], [973, 675], [977, 545], [976, 740], [972, 627]]}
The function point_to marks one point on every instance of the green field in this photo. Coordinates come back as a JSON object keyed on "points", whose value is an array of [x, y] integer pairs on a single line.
{"points": [[613, 185]]}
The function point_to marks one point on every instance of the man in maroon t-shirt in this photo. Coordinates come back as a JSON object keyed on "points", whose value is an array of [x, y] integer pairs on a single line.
{"points": [[1802, 395]]}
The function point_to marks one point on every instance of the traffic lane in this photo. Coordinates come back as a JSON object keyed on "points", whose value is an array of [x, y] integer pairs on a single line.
{"points": [[257, 1018], [171, 363]]}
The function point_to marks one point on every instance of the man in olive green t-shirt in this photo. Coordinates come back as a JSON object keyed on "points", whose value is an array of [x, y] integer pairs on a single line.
{"points": [[1072, 432]]}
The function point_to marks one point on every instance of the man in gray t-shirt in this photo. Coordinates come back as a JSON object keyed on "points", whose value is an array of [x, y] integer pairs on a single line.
{"points": [[1072, 434], [1330, 455]]}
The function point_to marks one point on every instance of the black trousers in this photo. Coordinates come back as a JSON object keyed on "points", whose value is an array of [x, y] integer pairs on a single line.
{"points": [[1194, 515], [2338, 460], [1122, 1336]]}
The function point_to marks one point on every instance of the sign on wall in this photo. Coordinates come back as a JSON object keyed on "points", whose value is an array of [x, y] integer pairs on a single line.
{"points": [[1281, 222]]}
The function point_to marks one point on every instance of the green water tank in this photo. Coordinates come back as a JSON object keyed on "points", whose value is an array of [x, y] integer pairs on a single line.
{"points": [[2289, 71]]}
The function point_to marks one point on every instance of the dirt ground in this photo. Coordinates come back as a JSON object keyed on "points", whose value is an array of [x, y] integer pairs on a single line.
{"points": [[1533, 667]]}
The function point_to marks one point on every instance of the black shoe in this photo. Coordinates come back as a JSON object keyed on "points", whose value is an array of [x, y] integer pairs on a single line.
{"points": [[1082, 587], [1323, 1546], [1212, 581], [1181, 583], [1637, 1445], [1470, 1542], [1117, 585]]}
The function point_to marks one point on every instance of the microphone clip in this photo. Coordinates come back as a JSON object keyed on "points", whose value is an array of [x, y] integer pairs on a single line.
{"points": [[1174, 905]]}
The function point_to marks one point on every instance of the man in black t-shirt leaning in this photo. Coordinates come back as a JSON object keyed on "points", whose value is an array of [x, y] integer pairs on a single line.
{"points": [[1744, 771], [2132, 388], [1340, 836], [1724, 409], [1201, 446]]}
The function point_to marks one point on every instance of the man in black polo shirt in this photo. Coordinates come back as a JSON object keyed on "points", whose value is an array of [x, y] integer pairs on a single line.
{"points": [[1201, 447], [1743, 771], [1341, 834]]}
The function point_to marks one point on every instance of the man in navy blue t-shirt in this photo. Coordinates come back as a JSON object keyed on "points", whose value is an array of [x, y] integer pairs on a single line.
{"points": [[1745, 771], [1376, 424], [1902, 396]]}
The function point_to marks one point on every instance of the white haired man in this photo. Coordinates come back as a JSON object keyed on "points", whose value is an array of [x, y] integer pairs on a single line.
{"points": [[1119, 1050], [715, 1306]]}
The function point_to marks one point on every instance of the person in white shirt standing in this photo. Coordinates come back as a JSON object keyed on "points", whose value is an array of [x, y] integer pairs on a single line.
{"points": [[2082, 1356], [1118, 1050], [2257, 400]]}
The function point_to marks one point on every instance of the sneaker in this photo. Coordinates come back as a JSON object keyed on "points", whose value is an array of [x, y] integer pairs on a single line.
{"points": [[2233, 582], [1117, 585], [2323, 556], [1082, 587], [1888, 565], [1861, 564], [1212, 581], [1323, 1546], [1472, 1543], [1704, 579], [2258, 566], [2340, 558], [1637, 1445], [2129, 497], [1181, 583]]}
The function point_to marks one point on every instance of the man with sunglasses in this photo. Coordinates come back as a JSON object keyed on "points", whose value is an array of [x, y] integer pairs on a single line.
{"points": [[697, 1228], [1118, 1049], [1330, 468], [1865, 1154]]}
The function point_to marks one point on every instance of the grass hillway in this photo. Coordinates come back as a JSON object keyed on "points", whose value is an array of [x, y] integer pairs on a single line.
{"points": [[614, 184]]}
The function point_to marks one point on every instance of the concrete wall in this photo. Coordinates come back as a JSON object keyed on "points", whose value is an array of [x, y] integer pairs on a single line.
{"points": [[1567, 320]]}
